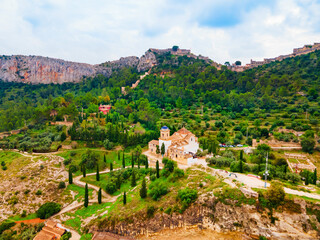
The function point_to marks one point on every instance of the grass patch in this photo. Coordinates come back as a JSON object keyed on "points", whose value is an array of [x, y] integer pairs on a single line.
{"points": [[87, 236], [19, 218]]}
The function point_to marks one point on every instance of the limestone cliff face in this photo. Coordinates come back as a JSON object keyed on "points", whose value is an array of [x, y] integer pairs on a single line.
{"points": [[37, 69], [210, 214]]}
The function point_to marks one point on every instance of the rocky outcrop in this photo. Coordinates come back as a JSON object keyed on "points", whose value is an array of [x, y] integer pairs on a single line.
{"points": [[37, 69], [214, 215]]}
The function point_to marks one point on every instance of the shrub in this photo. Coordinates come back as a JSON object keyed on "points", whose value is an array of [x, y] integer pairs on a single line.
{"points": [[6, 225], [67, 161], [275, 193], [157, 189], [48, 209], [61, 185], [39, 192], [73, 168], [150, 211], [187, 196], [178, 173], [111, 187]]}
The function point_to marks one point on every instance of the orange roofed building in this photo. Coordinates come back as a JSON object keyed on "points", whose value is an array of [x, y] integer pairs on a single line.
{"points": [[180, 146], [50, 232], [104, 108]]}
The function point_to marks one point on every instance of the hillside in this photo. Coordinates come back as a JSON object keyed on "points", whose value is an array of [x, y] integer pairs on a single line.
{"points": [[44, 70]]}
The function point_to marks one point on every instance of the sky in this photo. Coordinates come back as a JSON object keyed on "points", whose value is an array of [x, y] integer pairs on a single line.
{"points": [[96, 31]]}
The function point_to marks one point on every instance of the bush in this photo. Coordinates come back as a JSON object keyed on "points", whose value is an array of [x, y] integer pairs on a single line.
{"points": [[73, 168], [67, 161], [150, 211], [111, 187], [275, 193], [61, 185], [187, 196], [48, 209], [157, 189], [39, 192], [178, 173], [6, 225]]}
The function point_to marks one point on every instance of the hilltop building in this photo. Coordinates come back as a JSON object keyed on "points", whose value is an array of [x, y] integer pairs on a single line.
{"points": [[51, 231], [180, 146]]}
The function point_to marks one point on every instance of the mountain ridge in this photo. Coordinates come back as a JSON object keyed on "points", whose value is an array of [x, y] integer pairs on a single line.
{"points": [[45, 70]]}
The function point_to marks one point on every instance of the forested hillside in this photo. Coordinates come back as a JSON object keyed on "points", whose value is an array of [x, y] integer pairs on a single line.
{"points": [[184, 83]]}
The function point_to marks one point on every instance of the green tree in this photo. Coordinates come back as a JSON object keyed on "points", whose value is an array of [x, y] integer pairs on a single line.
{"points": [[132, 161], [143, 190], [157, 169], [124, 198], [123, 162], [307, 144], [133, 179], [306, 181], [158, 150], [315, 177], [84, 170], [241, 166], [98, 174], [86, 196], [275, 193], [163, 149], [179, 103], [104, 158], [70, 176], [111, 166], [241, 155], [99, 196], [147, 163], [118, 155]]}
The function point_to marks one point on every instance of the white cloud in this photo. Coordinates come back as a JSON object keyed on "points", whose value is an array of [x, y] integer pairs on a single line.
{"points": [[96, 31]]}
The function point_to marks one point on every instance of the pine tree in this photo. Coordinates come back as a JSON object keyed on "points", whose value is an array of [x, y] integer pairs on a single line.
{"points": [[133, 179], [99, 196], [143, 190], [306, 181], [315, 176], [98, 174], [104, 158], [132, 160], [84, 170], [157, 168], [86, 196], [124, 198], [241, 155], [70, 176], [111, 167]]}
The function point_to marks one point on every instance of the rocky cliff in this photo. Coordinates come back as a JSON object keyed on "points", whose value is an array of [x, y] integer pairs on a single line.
{"points": [[208, 213], [37, 69]]}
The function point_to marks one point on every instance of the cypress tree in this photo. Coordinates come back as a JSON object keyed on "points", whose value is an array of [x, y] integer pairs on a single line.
{"points": [[147, 164], [111, 166], [118, 182], [132, 160], [241, 166], [123, 162], [118, 155], [98, 174], [157, 168], [86, 196], [104, 158], [143, 190], [124, 198], [133, 179], [70, 177], [306, 181], [163, 149], [123, 155], [138, 163], [99, 196], [315, 176], [84, 170], [241, 155]]}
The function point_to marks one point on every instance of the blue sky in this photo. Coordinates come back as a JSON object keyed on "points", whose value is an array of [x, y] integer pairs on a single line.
{"points": [[96, 31]]}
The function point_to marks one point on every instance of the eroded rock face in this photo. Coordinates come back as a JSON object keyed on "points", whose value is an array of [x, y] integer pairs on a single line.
{"points": [[37, 69], [219, 217]]}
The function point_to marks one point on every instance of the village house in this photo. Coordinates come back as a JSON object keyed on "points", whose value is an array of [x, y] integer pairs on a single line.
{"points": [[104, 108], [51, 231], [181, 146]]}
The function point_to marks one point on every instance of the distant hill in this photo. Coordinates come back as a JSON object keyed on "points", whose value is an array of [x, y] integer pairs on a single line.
{"points": [[37, 69]]}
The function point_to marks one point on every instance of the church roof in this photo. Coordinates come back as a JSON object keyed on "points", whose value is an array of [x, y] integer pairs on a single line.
{"points": [[183, 131]]}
